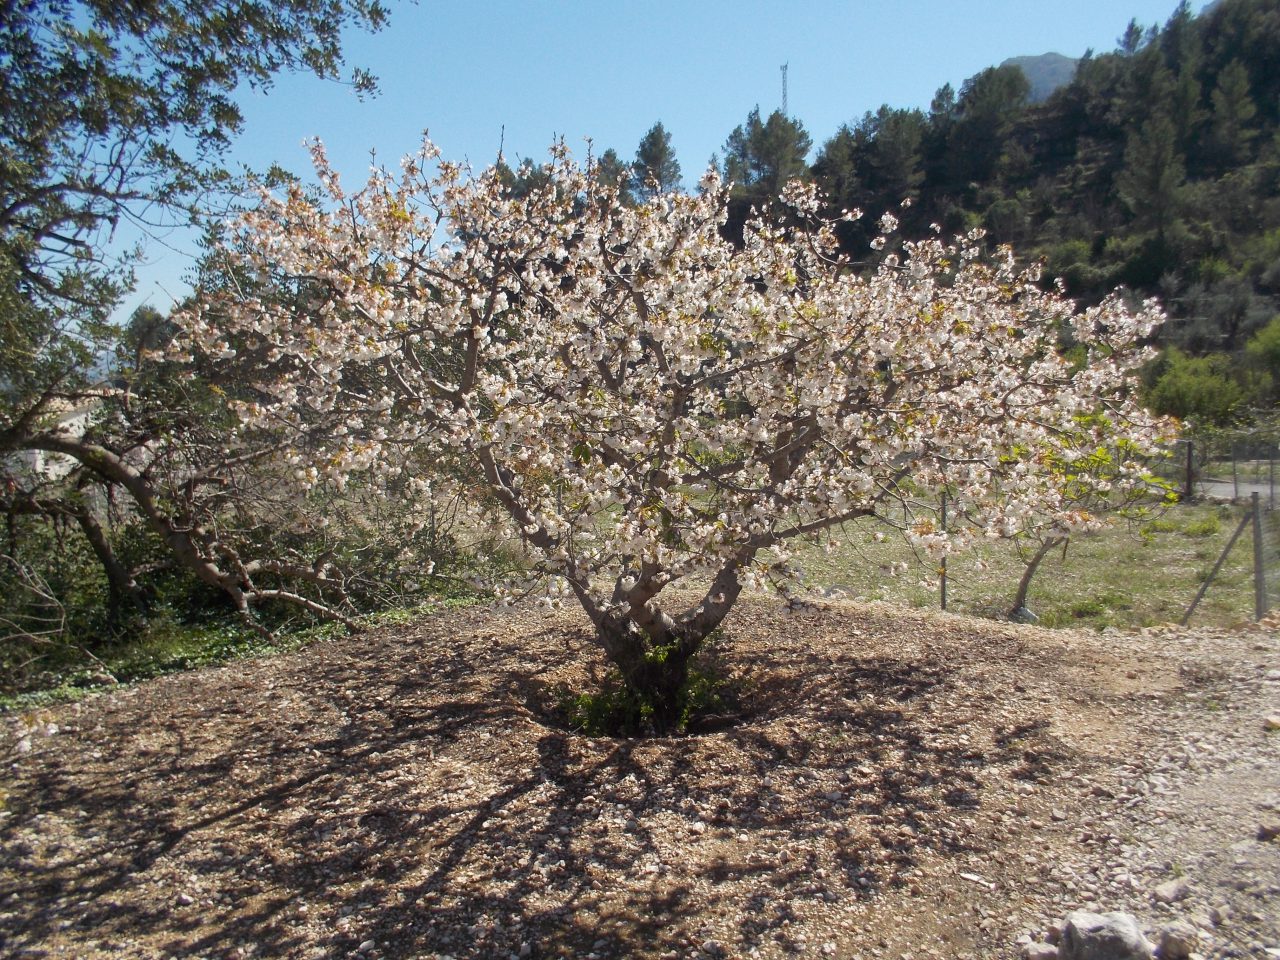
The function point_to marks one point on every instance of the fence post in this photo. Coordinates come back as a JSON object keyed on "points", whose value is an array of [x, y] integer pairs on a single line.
{"points": [[1235, 474], [1190, 489], [1259, 568]]}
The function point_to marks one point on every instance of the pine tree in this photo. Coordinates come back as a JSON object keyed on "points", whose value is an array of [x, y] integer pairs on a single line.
{"points": [[655, 169]]}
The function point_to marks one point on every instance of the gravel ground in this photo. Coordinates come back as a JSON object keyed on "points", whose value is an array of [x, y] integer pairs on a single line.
{"points": [[899, 784]]}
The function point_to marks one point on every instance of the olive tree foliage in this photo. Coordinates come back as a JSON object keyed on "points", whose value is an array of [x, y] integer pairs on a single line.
{"points": [[647, 404], [117, 113]]}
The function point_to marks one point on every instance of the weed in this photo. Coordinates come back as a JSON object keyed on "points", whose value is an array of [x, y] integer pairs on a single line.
{"points": [[1207, 526], [615, 710]]}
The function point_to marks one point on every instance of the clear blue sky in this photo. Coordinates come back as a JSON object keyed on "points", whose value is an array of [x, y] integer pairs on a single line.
{"points": [[609, 69]]}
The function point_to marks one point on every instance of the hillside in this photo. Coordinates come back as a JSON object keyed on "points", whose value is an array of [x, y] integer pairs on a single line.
{"points": [[1045, 73], [1155, 168]]}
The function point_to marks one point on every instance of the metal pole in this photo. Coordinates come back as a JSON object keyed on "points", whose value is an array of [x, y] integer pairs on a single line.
{"points": [[1204, 587], [1235, 474], [1259, 567], [1271, 479], [1190, 490]]}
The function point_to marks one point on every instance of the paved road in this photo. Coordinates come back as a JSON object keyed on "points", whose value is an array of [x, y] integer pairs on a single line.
{"points": [[1226, 490]]}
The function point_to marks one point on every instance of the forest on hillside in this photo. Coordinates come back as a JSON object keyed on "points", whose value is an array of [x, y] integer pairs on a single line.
{"points": [[1156, 168]]}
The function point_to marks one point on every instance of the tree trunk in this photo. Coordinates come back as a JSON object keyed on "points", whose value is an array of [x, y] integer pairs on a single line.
{"points": [[1024, 585], [122, 586], [654, 669]]}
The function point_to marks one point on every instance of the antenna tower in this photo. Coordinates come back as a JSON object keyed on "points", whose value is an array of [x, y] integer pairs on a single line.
{"points": [[783, 68]]}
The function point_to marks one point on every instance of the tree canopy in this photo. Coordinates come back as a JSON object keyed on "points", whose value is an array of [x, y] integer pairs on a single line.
{"points": [[647, 403], [114, 113]]}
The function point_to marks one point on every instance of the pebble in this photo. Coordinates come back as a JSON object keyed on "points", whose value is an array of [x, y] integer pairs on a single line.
{"points": [[1039, 951], [1177, 940], [1171, 891]]}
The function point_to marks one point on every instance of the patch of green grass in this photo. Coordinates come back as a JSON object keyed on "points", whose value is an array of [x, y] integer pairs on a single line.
{"points": [[165, 645], [1207, 526], [1122, 576]]}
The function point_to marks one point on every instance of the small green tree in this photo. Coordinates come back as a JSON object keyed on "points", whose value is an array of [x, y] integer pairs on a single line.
{"points": [[1201, 389], [762, 156], [655, 169], [611, 171]]}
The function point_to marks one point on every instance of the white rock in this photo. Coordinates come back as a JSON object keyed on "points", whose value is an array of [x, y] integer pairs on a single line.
{"points": [[1039, 951], [1171, 891], [1102, 936]]}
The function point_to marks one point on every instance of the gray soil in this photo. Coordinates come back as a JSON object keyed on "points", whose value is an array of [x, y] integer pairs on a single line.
{"points": [[896, 784]]}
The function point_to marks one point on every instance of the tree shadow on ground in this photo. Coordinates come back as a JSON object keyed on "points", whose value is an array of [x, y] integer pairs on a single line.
{"points": [[402, 791]]}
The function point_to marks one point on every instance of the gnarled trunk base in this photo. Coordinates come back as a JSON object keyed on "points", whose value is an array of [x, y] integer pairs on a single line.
{"points": [[656, 672]]}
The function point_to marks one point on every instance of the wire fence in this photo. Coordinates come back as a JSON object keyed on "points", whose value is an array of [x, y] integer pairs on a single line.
{"points": [[1239, 471], [1225, 465], [1270, 565], [1239, 466]]}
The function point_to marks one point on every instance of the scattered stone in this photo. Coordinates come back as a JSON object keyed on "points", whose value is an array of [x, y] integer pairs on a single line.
{"points": [[1220, 914], [1269, 831], [1102, 936], [1177, 940], [1272, 722], [1039, 951], [712, 948], [184, 899], [1056, 814], [367, 947], [1171, 891]]}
